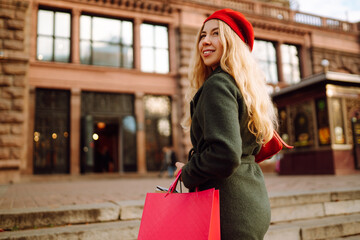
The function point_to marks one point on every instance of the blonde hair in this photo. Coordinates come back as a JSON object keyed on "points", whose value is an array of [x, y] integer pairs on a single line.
{"points": [[237, 61]]}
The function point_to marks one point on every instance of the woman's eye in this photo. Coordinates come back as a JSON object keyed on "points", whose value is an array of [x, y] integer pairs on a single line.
{"points": [[216, 33], [202, 36]]}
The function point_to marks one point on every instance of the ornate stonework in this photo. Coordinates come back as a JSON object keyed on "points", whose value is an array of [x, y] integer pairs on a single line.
{"points": [[339, 61], [158, 7]]}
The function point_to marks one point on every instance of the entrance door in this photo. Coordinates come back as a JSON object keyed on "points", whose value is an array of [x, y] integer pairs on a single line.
{"points": [[109, 136], [51, 131], [106, 147], [100, 144]]}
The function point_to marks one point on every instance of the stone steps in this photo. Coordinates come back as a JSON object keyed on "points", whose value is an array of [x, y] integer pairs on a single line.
{"points": [[299, 216], [76, 214], [335, 228], [309, 205], [124, 230]]}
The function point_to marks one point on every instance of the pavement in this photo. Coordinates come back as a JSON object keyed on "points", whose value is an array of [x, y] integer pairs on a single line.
{"points": [[58, 190]]}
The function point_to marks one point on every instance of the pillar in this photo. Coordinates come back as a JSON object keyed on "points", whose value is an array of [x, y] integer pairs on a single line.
{"points": [[137, 46], [75, 131], [172, 49], [279, 62], [75, 38], [31, 124], [140, 133]]}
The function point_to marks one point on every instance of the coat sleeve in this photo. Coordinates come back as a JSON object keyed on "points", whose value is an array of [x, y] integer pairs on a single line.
{"points": [[221, 150]]}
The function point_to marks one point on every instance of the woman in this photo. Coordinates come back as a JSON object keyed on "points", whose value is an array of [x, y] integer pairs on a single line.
{"points": [[231, 116]]}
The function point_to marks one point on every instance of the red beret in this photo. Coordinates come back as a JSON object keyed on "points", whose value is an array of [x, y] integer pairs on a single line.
{"points": [[237, 22]]}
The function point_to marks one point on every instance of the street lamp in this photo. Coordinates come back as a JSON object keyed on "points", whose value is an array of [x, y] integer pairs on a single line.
{"points": [[325, 64]]}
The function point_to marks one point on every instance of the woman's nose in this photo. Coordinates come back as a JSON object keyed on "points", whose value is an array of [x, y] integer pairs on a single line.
{"points": [[206, 40]]}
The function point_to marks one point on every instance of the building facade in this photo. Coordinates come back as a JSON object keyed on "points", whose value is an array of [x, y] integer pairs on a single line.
{"points": [[98, 86]]}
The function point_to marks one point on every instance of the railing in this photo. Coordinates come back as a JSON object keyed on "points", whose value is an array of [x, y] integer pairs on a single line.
{"points": [[248, 6], [308, 19], [281, 13]]}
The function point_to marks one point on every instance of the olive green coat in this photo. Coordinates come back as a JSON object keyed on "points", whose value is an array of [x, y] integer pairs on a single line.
{"points": [[223, 158]]}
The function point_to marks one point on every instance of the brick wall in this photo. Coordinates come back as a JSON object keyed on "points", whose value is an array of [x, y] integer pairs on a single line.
{"points": [[14, 61]]}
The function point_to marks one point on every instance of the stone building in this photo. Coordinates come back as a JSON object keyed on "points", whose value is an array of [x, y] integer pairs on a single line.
{"points": [[98, 85]]}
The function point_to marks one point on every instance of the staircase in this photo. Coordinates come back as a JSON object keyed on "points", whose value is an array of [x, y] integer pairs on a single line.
{"points": [[329, 215], [315, 215]]}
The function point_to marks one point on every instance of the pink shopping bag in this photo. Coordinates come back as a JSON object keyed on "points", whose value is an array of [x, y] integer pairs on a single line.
{"points": [[175, 216]]}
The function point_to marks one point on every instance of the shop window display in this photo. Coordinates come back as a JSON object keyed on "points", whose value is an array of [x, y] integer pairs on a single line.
{"points": [[303, 121], [51, 131], [158, 129], [338, 121], [323, 122], [283, 125]]}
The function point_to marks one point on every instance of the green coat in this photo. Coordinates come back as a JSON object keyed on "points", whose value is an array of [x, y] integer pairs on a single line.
{"points": [[223, 158]]}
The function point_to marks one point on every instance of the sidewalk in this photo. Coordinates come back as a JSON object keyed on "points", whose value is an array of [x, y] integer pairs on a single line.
{"points": [[56, 191]]}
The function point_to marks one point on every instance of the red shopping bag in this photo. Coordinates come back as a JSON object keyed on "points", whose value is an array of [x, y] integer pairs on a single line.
{"points": [[271, 148], [185, 216]]}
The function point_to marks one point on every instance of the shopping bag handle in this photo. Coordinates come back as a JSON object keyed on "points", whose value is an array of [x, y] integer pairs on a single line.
{"points": [[174, 184]]}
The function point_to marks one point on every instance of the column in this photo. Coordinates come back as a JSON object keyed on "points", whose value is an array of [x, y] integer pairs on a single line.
{"points": [[33, 31], [29, 169], [172, 49], [140, 133], [137, 46], [75, 128], [75, 36], [279, 62], [305, 57]]}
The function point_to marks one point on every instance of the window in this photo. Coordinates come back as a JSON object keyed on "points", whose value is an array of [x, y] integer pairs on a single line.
{"points": [[338, 120], [106, 42], [266, 55], [283, 125], [53, 36], [303, 123], [51, 138], [323, 122], [154, 48], [157, 129], [290, 63]]}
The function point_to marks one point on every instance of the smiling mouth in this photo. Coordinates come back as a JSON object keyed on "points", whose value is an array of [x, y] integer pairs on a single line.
{"points": [[207, 52]]}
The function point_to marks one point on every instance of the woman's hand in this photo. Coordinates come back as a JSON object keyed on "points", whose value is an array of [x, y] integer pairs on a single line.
{"points": [[179, 166]]}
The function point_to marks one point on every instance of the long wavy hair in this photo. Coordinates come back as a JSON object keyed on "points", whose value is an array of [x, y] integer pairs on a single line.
{"points": [[238, 61]]}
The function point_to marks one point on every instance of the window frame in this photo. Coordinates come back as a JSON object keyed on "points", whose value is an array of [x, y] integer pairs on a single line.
{"points": [[120, 43], [323, 122], [53, 36], [155, 48], [291, 63], [268, 62], [334, 123]]}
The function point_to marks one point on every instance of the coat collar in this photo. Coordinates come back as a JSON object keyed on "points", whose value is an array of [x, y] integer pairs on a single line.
{"points": [[198, 93]]}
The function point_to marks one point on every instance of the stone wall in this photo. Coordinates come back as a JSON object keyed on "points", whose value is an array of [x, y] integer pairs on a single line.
{"points": [[14, 61]]}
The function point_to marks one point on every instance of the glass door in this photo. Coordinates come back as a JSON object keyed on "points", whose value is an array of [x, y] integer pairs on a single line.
{"points": [[51, 131]]}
